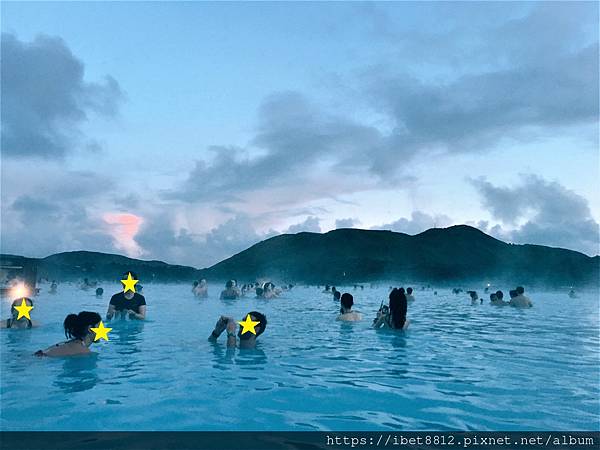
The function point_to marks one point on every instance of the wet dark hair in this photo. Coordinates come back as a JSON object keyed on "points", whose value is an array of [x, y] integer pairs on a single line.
{"points": [[520, 290], [513, 293], [133, 275], [229, 284], [398, 307], [195, 283], [99, 291], [76, 325], [499, 295], [493, 297], [18, 302], [262, 325], [409, 291], [337, 295], [347, 300], [259, 291]]}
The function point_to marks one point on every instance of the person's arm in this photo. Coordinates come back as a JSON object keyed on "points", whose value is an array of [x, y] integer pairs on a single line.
{"points": [[231, 338], [379, 321], [139, 316], [111, 311], [219, 328]]}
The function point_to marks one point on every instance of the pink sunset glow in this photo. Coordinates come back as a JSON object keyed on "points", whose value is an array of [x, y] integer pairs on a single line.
{"points": [[123, 227]]}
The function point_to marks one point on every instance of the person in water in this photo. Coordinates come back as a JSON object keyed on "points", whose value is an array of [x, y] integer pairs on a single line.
{"points": [[337, 295], [520, 300], [572, 294], [496, 299], [127, 304], [475, 298], [346, 313], [23, 322], [247, 339], [77, 331], [99, 292], [259, 292], [231, 292], [409, 295], [200, 288], [53, 287], [269, 291], [393, 316]]}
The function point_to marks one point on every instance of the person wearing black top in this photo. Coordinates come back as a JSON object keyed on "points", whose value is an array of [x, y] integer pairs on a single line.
{"points": [[130, 303]]}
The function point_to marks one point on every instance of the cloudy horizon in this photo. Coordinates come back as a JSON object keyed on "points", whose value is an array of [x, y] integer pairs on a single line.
{"points": [[198, 129]]}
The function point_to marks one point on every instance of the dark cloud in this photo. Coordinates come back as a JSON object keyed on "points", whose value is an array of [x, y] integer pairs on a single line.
{"points": [[35, 226], [520, 76], [346, 223], [45, 97], [538, 211], [418, 222], [293, 138], [158, 236], [56, 210], [311, 224]]}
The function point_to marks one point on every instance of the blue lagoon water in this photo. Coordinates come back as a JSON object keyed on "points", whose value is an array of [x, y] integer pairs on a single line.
{"points": [[459, 367]]}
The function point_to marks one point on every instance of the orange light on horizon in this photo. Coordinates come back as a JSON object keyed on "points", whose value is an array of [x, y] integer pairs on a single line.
{"points": [[123, 228]]}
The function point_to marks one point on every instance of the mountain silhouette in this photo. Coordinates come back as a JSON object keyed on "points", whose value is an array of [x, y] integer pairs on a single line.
{"points": [[457, 253], [439, 255]]}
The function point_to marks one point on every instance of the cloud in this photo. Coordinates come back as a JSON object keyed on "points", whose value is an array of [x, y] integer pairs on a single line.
{"points": [[540, 212], [295, 140], [518, 79], [346, 223], [45, 98], [311, 224], [418, 222], [54, 210], [124, 228], [158, 236]]}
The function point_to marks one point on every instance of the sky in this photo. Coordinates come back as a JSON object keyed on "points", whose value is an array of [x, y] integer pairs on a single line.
{"points": [[189, 131]]}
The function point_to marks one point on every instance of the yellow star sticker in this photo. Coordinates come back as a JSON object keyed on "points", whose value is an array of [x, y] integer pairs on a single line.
{"points": [[248, 325], [101, 332], [23, 310], [129, 283]]}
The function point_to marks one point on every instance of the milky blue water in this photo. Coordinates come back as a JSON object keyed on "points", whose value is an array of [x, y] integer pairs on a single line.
{"points": [[459, 367]]}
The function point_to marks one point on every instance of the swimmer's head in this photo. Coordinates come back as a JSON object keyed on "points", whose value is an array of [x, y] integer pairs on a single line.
{"points": [[99, 292], [401, 290], [347, 300], [229, 284], [513, 293], [259, 291], [126, 275], [499, 295], [337, 295], [202, 282], [195, 283], [333, 289], [77, 326], [18, 302], [259, 329], [409, 290], [520, 290], [493, 297]]}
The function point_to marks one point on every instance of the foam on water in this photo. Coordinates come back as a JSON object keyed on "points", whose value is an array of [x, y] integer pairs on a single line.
{"points": [[459, 366]]}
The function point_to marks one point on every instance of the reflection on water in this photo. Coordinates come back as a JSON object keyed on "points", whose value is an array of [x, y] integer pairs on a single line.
{"points": [[458, 366], [78, 374], [224, 356]]}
